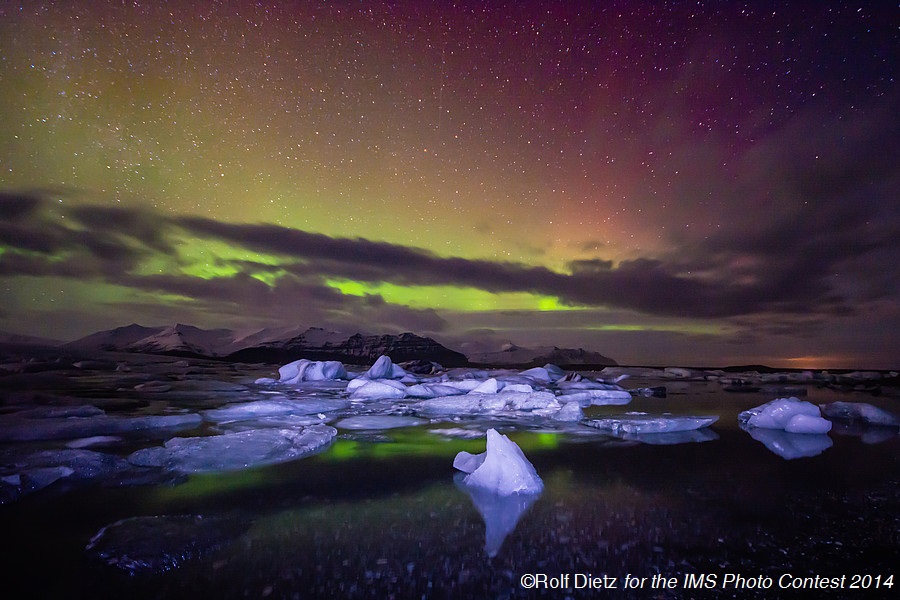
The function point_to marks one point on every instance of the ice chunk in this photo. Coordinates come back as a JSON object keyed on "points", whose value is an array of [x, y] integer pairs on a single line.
{"points": [[501, 470], [307, 370], [432, 390], [458, 432], [532, 401], [266, 408], [232, 451], [501, 514], [13, 428], [644, 423], [678, 372], [517, 387], [14, 485], [792, 445], [384, 369], [538, 374], [159, 543], [807, 424], [779, 412], [377, 422], [378, 390], [488, 386], [570, 412], [478, 403], [97, 440], [554, 372], [859, 412], [595, 397], [466, 385]]}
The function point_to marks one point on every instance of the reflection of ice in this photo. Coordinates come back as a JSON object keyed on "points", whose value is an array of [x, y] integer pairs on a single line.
{"points": [[642, 423], [792, 445], [673, 437], [501, 514]]}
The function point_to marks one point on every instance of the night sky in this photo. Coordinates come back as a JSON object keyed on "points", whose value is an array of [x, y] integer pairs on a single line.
{"points": [[665, 182]]}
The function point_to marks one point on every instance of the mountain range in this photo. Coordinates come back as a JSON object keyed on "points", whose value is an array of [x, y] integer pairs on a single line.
{"points": [[280, 345]]}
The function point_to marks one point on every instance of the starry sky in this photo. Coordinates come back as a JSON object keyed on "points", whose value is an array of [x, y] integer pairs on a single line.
{"points": [[695, 183]]}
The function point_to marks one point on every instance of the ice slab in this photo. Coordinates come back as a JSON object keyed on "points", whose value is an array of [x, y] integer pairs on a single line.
{"points": [[459, 433], [501, 470], [477, 403], [377, 422], [432, 390], [570, 412], [645, 424], [501, 514], [158, 543], [233, 451], [597, 397], [782, 412], [266, 408], [307, 370], [859, 412], [378, 390], [790, 446], [13, 428], [488, 386]]}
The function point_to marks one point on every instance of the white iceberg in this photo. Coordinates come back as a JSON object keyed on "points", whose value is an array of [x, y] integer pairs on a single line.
{"points": [[384, 369], [501, 470], [233, 451], [378, 390], [488, 386], [784, 413], [644, 423], [307, 370], [597, 397], [478, 403], [570, 412], [432, 390]]}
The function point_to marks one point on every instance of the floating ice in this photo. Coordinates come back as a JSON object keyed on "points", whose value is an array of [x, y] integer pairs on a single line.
{"points": [[16, 428], [570, 412], [782, 413], [488, 386], [477, 403], [517, 387], [645, 424], [792, 445], [595, 397], [501, 470], [378, 390], [432, 390], [377, 422], [538, 374], [97, 440], [159, 543], [859, 412], [458, 432], [384, 369], [232, 451], [307, 370], [266, 408]]}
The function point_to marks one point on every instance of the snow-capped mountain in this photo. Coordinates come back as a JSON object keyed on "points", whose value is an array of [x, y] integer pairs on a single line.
{"points": [[510, 354]]}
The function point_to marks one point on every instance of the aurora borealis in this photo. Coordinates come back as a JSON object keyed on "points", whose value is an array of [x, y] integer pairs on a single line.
{"points": [[663, 182]]}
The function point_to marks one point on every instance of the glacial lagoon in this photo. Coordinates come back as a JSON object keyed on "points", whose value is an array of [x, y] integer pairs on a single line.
{"points": [[377, 509]]}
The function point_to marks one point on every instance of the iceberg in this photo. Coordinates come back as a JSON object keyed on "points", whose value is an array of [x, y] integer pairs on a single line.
{"points": [[859, 412], [488, 386], [784, 413], [307, 370], [597, 397], [639, 423], [502, 469], [233, 451], [432, 390], [384, 369], [377, 422], [377, 390], [570, 412]]}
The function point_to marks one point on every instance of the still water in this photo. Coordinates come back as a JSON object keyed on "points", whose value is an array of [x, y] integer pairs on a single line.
{"points": [[379, 515]]}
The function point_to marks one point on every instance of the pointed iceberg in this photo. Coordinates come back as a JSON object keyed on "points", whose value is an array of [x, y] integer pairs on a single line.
{"points": [[502, 470]]}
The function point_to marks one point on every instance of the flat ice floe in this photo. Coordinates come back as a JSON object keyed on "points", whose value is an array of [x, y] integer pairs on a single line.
{"points": [[641, 423], [24, 428], [233, 451], [267, 408], [475, 403], [790, 414], [377, 422], [501, 470], [597, 397]]}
